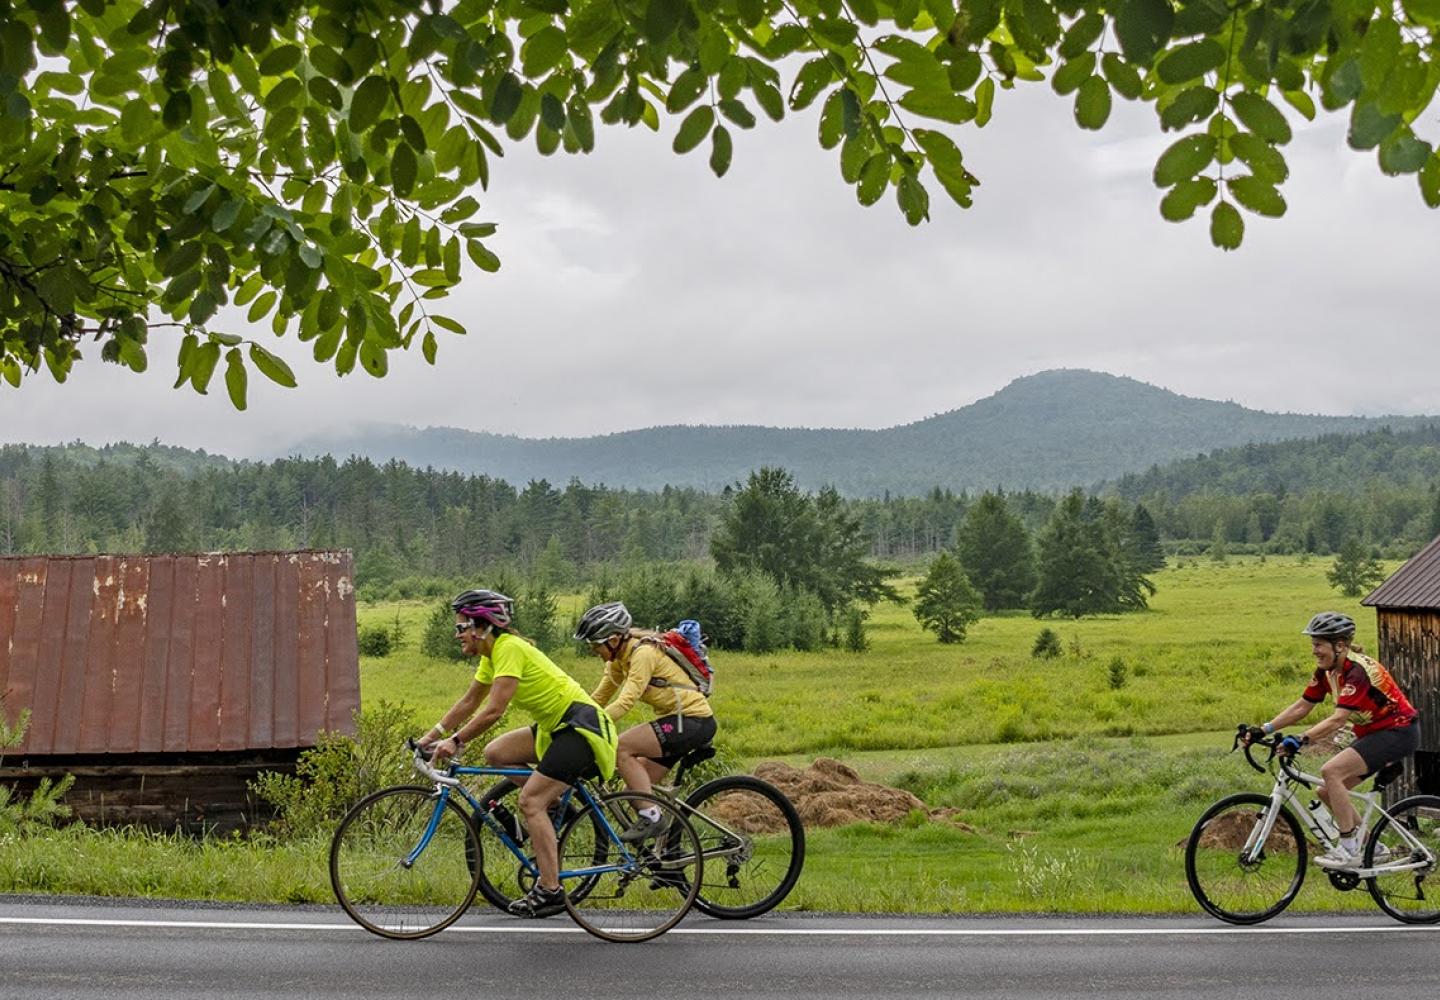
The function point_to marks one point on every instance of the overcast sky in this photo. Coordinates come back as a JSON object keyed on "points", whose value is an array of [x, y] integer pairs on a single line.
{"points": [[639, 290]]}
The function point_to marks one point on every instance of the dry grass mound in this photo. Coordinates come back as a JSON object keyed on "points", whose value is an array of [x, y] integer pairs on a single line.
{"points": [[831, 793]]}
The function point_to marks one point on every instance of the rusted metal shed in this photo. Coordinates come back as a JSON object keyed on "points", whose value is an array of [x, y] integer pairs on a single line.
{"points": [[165, 683], [1407, 607]]}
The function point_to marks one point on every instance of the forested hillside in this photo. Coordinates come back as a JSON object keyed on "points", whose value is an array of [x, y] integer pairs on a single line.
{"points": [[1048, 432]]}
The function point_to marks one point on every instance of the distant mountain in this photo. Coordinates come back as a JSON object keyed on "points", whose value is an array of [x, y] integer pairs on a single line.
{"points": [[1051, 430]]}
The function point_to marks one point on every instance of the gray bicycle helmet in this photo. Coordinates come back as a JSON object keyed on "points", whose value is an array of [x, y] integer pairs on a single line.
{"points": [[485, 605], [602, 621], [1330, 625]]}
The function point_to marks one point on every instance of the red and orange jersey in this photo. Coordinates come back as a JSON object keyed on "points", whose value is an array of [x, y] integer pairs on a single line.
{"points": [[1366, 688]]}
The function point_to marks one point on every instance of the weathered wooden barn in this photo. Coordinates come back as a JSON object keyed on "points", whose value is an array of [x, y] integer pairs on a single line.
{"points": [[1407, 607], [166, 683]]}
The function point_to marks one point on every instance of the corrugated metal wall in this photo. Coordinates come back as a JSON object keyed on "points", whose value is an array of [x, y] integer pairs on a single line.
{"points": [[220, 651]]}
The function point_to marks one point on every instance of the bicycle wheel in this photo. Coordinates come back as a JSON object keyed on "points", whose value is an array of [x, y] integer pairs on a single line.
{"points": [[753, 842], [629, 892], [389, 877], [1412, 895], [1234, 879], [504, 877]]}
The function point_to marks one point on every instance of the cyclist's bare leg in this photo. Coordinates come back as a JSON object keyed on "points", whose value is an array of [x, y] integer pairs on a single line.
{"points": [[1345, 769], [634, 757], [513, 749], [538, 795]]}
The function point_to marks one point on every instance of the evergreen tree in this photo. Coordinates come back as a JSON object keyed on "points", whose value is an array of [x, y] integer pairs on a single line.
{"points": [[1354, 571], [855, 640], [1147, 554], [1071, 569], [168, 529], [996, 553], [946, 603], [537, 617]]}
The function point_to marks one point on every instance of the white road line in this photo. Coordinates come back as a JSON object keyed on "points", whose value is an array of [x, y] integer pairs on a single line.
{"points": [[746, 931]]}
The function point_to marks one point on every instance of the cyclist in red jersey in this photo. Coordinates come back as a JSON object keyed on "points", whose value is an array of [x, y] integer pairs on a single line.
{"points": [[1367, 697]]}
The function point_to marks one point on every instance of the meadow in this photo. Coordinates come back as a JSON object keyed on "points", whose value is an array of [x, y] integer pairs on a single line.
{"points": [[1076, 779]]}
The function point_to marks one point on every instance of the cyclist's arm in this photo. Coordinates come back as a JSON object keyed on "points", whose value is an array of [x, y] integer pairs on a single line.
{"points": [[605, 688], [637, 676], [457, 713], [1326, 728], [499, 699], [1292, 715]]}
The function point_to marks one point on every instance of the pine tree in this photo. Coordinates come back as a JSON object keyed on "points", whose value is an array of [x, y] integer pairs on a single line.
{"points": [[996, 553], [946, 603], [1354, 571], [1145, 547], [1071, 568]]}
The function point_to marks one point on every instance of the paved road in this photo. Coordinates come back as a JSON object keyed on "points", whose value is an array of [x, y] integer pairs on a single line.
{"points": [[90, 951]]}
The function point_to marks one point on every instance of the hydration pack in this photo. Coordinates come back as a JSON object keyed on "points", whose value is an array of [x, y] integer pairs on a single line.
{"points": [[685, 646]]}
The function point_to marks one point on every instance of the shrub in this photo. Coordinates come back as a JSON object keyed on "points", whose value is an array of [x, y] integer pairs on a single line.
{"points": [[537, 617], [44, 808], [339, 770], [855, 639], [711, 600], [763, 613], [438, 640], [375, 640], [1047, 645], [1117, 674], [805, 619]]}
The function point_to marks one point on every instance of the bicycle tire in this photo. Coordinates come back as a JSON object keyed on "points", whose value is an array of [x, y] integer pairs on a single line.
{"points": [[503, 878], [370, 875], [1212, 860], [760, 847], [642, 897], [1402, 895]]}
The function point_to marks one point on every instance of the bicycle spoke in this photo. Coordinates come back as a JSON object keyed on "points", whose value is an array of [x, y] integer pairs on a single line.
{"points": [[393, 881], [1232, 874], [754, 846], [1411, 892]]}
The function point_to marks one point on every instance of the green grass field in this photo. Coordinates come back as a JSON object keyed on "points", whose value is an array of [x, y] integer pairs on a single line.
{"points": [[1077, 793]]}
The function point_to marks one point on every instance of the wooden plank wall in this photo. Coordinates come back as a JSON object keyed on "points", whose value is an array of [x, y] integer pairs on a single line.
{"points": [[1410, 648]]}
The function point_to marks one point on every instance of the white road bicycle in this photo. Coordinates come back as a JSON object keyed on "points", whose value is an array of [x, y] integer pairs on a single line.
{"points": [[1247, 857]]}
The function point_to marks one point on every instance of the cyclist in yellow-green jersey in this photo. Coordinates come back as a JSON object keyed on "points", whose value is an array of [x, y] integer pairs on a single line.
{"points": [[572, 738]]}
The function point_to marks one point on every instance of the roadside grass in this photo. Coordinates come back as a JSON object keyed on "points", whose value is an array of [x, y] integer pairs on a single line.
{"points": [[1078, 793]]}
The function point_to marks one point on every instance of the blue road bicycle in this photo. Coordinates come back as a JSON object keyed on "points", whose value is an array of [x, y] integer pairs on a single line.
{"points": [[406, 862]]}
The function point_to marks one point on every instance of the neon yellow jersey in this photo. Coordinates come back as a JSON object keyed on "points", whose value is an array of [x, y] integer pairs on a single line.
{"points": [[545, 691]]}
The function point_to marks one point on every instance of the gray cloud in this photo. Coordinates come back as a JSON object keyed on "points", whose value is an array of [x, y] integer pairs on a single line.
{"points": [[782, 301]]}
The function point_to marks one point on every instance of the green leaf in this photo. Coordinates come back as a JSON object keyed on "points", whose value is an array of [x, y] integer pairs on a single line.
{"points": [[1122, 76], [1430, 181], [1369, 128], [913, 199], [280, 61], [369, 101], [1403, 153], [403, 167], [1092, 103], [177, 110], [261, 307], [737, 113], [1261, 117], [984, 102], [1071, 75], [1426, 12], [1190, 105], [943, 107], [1082, 34], [1301, 102], [1143, 28], [721, 148], [206, 356], [483, 258], [447, 323], [542, 51], [874, 178], [688, 86], [1191, 61], [1263, 159], [508, 94], [430, 347], [1184, 159], [1227, 228], [374, 358], [1257, 195], [272, 367], [136, 120], [235, 377], [1185, 198], [694, 128]]}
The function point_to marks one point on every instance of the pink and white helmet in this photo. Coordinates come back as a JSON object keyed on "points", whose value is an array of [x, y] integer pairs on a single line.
{"points": [[486, 606]]}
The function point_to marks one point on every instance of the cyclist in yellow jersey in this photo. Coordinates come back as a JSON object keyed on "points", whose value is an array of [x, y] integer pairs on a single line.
{"points": [[636, 670], [572, 738]]}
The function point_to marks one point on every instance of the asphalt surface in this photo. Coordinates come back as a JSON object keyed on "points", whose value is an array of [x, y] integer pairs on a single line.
{"points": [[79, 950]]}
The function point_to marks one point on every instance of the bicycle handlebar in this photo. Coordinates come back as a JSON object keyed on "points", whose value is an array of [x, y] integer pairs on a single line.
{"points": [[1273, 744], [421, 763]]}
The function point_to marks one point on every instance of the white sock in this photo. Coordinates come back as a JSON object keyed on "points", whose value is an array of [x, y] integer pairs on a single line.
{"points": [[652, 813], [1350, 845]]}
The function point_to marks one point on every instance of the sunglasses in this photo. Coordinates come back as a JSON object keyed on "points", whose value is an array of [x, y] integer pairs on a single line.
{"points": [[462, 629]]}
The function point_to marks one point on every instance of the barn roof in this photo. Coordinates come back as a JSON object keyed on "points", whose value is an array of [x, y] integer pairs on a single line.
{"points": [[1414, 585], [178, 653]]}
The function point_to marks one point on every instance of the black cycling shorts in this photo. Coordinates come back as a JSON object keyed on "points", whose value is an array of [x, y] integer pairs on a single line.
{"points": [[678, 738], [568, 758], [1387, 746]]}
